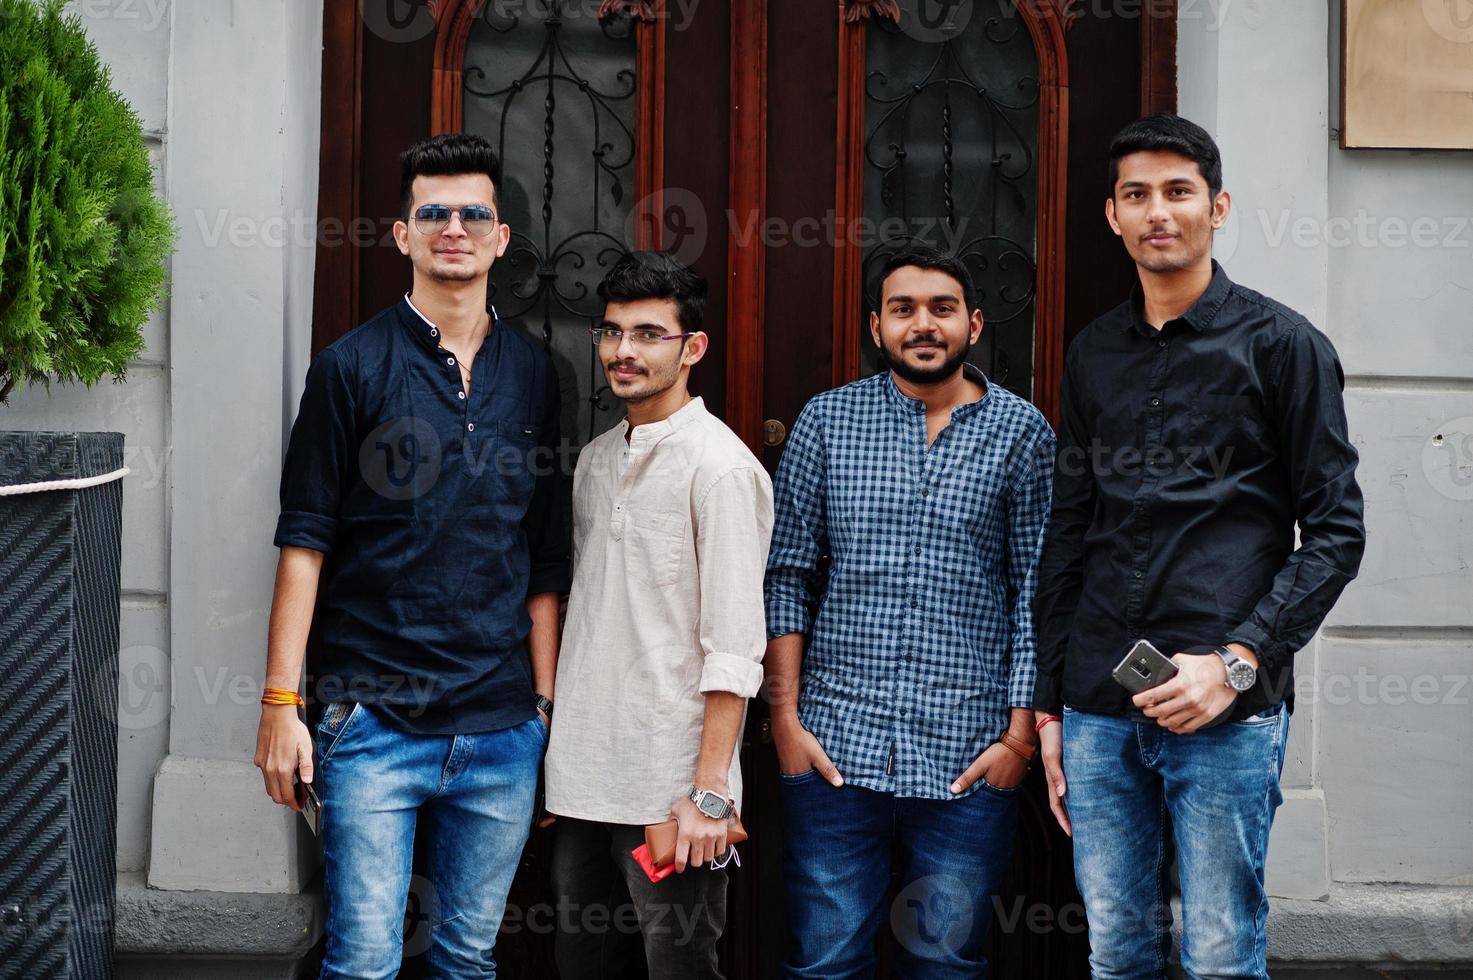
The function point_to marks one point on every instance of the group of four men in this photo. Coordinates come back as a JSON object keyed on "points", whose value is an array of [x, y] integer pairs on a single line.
{"points": [[934, 589]]}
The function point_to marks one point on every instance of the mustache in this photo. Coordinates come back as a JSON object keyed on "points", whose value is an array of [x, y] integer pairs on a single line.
{"points": [[924, 341], [626, 365]]}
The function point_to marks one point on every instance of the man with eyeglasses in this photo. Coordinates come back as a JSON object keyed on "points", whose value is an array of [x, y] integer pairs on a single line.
{"points": [[419, 492], [663, 644]]}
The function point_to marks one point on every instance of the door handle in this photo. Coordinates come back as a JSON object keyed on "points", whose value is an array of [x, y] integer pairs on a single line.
{"points": [[774, 433]]}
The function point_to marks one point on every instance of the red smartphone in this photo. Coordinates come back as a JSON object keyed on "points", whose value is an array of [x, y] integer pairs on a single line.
{"points": [[655, 872]]}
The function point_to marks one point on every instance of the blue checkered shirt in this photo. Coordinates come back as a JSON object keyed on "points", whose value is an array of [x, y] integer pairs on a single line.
{"points": [[921, 640]]}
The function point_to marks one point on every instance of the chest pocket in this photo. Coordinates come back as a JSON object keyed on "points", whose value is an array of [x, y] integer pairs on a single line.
{"points": [[1227, 418], [655, 542]]}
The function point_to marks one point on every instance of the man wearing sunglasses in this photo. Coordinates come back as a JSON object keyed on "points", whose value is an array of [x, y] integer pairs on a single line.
{"points": [[663, 645], [418, 491]]}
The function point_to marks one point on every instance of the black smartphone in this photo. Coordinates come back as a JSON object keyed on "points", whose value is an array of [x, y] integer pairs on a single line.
{"points": [[1143, 668], [311, 806]]}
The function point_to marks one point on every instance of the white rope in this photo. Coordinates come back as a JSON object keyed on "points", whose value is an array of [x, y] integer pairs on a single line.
{"points": [[80, 483]]}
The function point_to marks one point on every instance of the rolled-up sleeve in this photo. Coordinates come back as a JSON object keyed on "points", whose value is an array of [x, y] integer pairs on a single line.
{"points": [[1028, 515], [733, 531], [800, 529], [319, 456]]}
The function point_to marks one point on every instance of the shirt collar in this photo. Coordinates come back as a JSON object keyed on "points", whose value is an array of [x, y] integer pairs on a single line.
{"points": [[652, 432], [1202, 313], [962, 411], [424, 330]]}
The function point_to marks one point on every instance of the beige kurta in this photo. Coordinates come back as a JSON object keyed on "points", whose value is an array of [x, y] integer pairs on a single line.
{"points": [[670, 538]]}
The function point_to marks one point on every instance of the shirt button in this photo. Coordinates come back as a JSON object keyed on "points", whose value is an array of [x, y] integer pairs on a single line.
{"points": [[918, 550], [1155, 402], [904, 712], [461, 393], [1161, 343], [470, 427], [926, 493], [450, 361], [1138, 574], [915, 603], [434, 332]]}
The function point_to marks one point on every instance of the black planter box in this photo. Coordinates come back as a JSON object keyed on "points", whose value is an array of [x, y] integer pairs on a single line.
{"points": [[59, 568]]}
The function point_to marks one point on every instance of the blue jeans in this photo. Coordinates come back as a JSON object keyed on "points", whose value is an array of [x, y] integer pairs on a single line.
{"points": [[475, 792], [953, 855], [1220, 788]]}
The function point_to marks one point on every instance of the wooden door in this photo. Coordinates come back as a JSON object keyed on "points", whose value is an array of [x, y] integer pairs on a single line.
{"points": [[781, 147]]}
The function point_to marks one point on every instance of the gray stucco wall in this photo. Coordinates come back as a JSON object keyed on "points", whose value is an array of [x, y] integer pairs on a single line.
{"points": [[229, 94], [1376, 248]]}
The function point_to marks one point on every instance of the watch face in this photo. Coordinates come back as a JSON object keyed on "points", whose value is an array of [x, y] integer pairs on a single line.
{"points": [[711, 805], [1241, 675]]}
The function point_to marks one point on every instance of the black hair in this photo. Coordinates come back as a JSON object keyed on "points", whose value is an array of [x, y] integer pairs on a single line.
{"points": [[1165, 132], [657, 275], [923, 256], [448, 155]]}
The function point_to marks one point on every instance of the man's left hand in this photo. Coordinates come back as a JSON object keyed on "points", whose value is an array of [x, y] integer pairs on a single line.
{"points": [[1193, 698], [700, 838]]}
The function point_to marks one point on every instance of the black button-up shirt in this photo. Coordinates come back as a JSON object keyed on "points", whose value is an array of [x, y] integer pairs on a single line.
{"points": [[1185, 458], [439, 513]]}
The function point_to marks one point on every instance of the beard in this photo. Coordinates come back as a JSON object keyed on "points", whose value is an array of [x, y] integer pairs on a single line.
{"points": [[453, 273], [647, 385], [895, 361]]}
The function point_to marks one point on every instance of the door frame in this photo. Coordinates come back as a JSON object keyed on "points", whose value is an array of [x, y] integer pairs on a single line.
{"points": [[336, 306]]}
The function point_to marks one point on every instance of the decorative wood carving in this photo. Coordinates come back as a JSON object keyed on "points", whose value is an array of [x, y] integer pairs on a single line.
{"points": [[858, 10], [641, 10]]}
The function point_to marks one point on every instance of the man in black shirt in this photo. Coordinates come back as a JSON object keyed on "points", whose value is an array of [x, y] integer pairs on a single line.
{"points": [[420, 490], [1199, 423]]}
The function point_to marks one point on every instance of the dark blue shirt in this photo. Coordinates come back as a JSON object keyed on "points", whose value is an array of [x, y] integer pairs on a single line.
{"points": [[439, 514]]}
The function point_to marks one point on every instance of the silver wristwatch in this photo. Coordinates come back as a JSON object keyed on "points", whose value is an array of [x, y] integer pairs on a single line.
{"points": [[713, 805], [1241, 675]]}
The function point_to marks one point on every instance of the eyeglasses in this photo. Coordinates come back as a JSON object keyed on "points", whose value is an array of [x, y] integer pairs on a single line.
{"points": [[611, 336], [476, 219]]}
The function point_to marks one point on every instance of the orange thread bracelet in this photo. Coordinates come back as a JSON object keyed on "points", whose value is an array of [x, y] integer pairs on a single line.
{"points": [[277, 695], [1046, 719]]}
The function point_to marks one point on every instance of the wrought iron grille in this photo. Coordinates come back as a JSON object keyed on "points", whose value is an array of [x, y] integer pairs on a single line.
{"points": [[951, 140], [552, 86]]}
